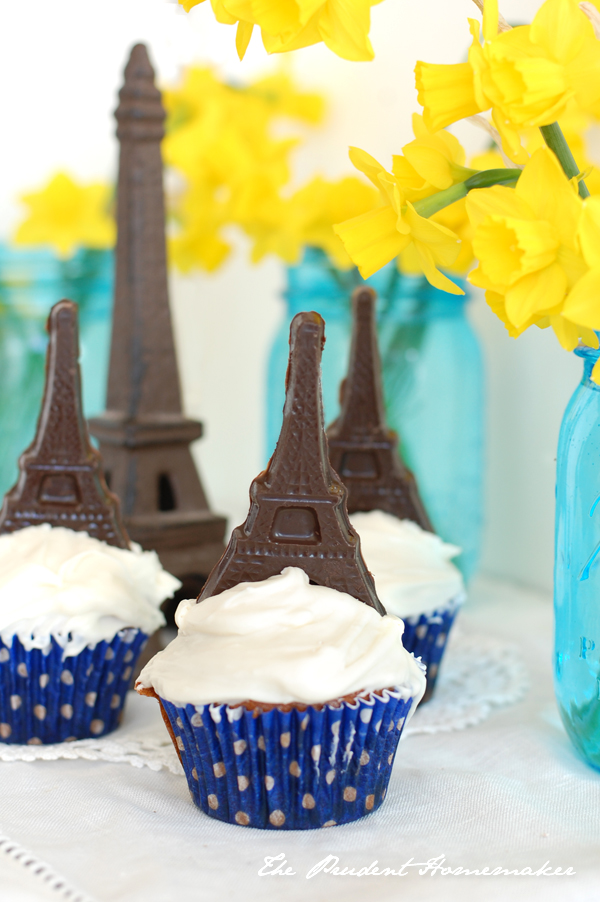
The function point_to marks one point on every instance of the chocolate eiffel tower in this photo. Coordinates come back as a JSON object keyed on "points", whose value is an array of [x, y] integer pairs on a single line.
{"points": [[60, 479], [298, 515], [144, 437], [361, 447]]}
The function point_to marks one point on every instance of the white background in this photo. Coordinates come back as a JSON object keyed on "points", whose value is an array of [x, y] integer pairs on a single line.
{"points": [[60, 67]]}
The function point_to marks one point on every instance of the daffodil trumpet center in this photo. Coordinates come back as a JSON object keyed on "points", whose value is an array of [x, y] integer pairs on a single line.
{"points": [[428, 206], [554, 138]]}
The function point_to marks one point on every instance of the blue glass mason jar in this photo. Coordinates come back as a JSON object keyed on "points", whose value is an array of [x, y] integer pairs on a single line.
{"points": [[31, 281], [577, 566], [433, 383], [434, 389], [316, 284]]}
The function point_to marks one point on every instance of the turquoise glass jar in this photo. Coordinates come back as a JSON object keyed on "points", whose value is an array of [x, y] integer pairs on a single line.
{"points": [[434, 389], [31, 281], [577, 566], [433, 382]]}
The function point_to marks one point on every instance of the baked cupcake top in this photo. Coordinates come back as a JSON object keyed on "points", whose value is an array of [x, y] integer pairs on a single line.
{"points": [[278, 641], [55, 582], [412, 568]]}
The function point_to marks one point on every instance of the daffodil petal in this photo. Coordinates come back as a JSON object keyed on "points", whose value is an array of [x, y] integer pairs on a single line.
{"points": [[589, 231], [497, 304], [566, 332], [550, 195], [344, 27], [372, 239], [535, 294], [364, 162], [446, 93], [430, 163], [496, 201], [242, 38], [442, 242], [560, 27], [433, 275], [583, 301]]}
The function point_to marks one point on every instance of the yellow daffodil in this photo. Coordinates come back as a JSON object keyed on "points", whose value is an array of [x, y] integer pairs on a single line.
{"points": [[430, 163], [66, 215], [525, 239], [582, 306], [342, 25], [583, 303], [200, 215], [266, 217], [378, 236], [219, 138], [525, 75], [286, 226], [280, 97]]}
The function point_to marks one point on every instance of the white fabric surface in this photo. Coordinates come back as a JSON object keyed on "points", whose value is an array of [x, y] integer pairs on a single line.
{"points": [[508, 792]]}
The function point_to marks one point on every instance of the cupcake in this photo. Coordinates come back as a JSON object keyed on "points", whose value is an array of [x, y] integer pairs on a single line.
{"points": [[77, 601], [415, 580], [75, 614], [414, 576], [285, 702], [287, 688]]}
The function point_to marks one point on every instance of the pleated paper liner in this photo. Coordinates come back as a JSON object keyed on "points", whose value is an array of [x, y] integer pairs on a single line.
{"points": [[47, 698], [426, 635], [289, 767]]}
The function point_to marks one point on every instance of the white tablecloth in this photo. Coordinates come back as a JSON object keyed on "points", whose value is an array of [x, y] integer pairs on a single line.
{"points": [[508, 793]]}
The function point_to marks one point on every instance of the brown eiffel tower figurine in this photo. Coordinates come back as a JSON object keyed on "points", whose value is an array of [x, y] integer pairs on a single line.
{"points": [[144, 437], [361, 447], [298, 515], [60, 479]]}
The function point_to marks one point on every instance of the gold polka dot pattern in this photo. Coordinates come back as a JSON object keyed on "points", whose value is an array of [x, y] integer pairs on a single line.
{"points": [[289, 769], [67, 698]]}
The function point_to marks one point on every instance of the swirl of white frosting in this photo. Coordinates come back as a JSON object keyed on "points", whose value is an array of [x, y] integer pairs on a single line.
{"points": [[281, 640], [412, 568], [65, 584]]}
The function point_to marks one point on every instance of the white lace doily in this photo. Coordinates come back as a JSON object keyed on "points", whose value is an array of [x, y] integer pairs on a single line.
{"points": [[478, 674]]}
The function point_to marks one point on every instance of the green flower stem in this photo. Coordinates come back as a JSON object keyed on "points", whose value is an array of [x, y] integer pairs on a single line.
{"points": [[554, 138], [427, 206]]}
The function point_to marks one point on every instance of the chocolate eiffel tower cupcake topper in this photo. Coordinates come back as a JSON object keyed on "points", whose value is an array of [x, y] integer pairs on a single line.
{"points": [[298, 515], [61, 480], [361, 447]]}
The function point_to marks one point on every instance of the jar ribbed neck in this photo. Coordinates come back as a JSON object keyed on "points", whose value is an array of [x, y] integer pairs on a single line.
{"points": [[589, 356]]}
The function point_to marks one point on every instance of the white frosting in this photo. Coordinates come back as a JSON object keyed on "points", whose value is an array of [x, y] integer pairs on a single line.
{"points": [[65, 584], [281, 640], [412, 568]]}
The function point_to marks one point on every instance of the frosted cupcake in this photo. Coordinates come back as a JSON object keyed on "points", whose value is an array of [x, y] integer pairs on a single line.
{"points": [[74, 616], [285, 702], [287, 688], [77, 600], [415, 580], [414, 576]]}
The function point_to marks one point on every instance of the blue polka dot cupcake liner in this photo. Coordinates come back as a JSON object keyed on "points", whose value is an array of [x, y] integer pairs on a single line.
{"points": [[289, 767], [46, 697], [426, 636]]}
